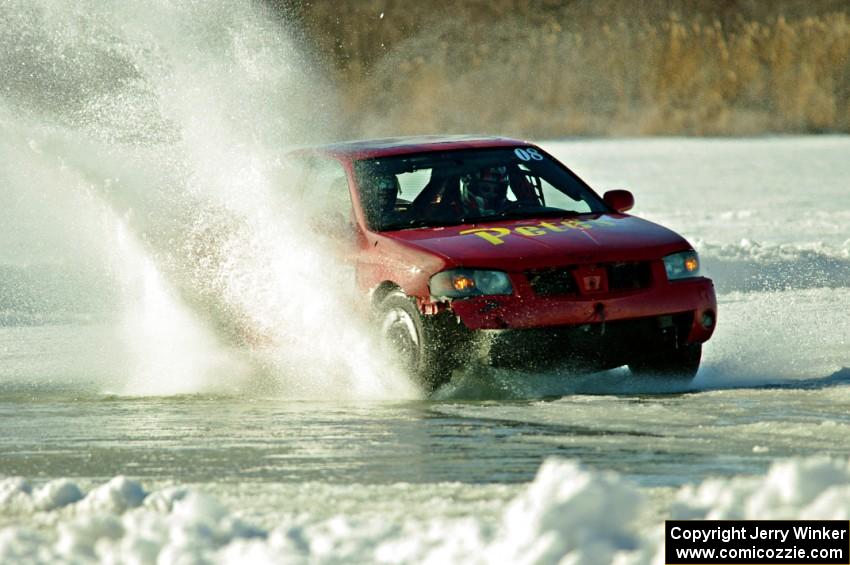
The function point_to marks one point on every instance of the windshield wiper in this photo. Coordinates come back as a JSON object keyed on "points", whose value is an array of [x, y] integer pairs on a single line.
{"points": [[543, 212], [418, 223], [538, 213]]}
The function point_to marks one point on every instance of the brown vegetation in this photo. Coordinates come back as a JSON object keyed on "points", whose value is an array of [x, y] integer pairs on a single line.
{"points": [[621, 67]]}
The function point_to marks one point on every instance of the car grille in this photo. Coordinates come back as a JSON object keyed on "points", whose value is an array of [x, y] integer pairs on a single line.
{"points": [[552, 282], [561, 281], [629, 276]]}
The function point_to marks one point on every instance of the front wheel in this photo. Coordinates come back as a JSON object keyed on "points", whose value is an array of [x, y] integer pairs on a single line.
{"points": [[423, 346], [679, 363]]}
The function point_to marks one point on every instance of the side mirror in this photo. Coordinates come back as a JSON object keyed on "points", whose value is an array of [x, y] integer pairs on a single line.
{"points": [[619, 200]]}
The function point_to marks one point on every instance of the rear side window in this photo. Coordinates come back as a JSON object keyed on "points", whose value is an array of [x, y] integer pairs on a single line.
{"points": [[321, 188]]}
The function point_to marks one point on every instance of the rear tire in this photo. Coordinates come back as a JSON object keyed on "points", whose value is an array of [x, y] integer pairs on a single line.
{"points": [[423, 345], [676, 364]]}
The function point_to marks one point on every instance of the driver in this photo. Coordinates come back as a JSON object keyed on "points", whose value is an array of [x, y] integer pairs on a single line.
{"points": [[484, 191], [382, 194]]}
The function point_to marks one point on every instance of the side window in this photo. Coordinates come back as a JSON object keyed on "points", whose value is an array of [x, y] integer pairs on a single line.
{"points": [[321, 189], [325, 191]]}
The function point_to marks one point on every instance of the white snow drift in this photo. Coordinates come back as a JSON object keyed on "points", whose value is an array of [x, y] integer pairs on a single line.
{"points": [[568, 514]]}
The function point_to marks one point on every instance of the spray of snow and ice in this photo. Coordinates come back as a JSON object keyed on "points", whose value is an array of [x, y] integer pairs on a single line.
{"points": [[144, 147]]}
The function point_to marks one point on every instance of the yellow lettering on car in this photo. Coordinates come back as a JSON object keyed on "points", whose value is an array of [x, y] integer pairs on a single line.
{"points": [[532, 231], [496, 235], [578, 224], [493, 235], [552, 227]]}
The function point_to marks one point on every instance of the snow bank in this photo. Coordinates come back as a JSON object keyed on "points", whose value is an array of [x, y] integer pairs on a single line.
{"points": [[771, 252], [568, 514], [17, 494], [568, 510], [749, 265], [812, 489]]}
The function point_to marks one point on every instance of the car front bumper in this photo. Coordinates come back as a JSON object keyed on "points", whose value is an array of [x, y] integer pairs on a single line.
{"points": [[693, 298]]}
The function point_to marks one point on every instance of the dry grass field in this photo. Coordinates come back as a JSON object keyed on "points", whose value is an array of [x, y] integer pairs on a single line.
{"points": [[601, 67]]}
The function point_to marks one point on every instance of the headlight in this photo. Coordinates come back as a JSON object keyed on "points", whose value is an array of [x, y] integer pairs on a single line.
{"points": [[462, 283], [682, 265]]}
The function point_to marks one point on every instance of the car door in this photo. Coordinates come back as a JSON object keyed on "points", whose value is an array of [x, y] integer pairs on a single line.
{"points": [[323, 200]]}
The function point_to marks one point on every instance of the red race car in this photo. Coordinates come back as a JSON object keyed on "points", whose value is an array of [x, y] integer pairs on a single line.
{"points": [[489, 248]]}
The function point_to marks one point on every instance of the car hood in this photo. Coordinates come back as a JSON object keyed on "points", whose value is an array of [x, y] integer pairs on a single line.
{"points": [[543, 242]]}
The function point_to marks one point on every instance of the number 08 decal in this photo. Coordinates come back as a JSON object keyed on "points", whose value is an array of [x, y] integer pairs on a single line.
{"points": [[528, 154]]}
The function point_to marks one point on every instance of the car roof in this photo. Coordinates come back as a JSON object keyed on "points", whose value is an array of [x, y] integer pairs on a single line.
{"points": [[383, 147]]}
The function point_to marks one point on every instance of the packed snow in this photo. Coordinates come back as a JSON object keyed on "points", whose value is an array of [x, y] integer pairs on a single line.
{"points": [[567, 514]]}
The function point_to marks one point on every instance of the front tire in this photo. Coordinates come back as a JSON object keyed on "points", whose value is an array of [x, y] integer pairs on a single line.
{"points": [[423, 346], [678, 364]]}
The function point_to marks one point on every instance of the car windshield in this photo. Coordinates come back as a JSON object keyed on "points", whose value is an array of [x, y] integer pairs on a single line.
{"points": [[449, 188]]}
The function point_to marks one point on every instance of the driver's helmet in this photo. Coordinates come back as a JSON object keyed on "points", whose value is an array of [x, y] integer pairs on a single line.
{"points": [[485, 189], [382, 193]]}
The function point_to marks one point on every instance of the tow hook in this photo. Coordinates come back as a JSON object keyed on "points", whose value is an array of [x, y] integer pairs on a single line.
{"points": [[599, 312]]}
